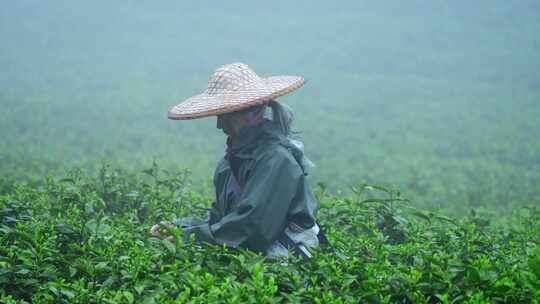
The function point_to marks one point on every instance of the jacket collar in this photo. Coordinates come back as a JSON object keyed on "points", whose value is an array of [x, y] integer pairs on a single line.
{"points": [[249, 137]]}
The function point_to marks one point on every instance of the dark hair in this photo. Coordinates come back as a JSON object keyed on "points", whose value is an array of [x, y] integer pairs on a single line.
{"points": [[282, 116]]}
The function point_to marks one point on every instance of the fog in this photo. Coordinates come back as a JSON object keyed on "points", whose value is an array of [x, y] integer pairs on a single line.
{"points": [[438, 98]]}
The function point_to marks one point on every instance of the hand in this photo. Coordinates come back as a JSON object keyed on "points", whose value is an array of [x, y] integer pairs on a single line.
{"points": [[157, 231]]}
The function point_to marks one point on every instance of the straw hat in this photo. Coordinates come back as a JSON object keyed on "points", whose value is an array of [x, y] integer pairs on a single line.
{"points": [[234, 87]]}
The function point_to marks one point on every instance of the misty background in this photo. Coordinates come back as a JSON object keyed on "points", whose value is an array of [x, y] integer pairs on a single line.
{"points": [[438, 98]]}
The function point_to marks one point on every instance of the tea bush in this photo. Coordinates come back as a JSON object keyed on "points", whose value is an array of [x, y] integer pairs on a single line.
{"points": [[84, 239]]}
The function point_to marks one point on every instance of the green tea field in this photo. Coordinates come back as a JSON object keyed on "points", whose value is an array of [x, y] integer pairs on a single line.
{"points": [[421, 117]]}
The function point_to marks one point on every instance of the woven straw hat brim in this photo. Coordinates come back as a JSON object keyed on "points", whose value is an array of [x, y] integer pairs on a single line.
{"points": [[261, 91]]}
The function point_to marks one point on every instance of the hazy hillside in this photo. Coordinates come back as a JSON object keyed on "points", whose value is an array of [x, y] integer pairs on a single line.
{"points": [[440, 98]]}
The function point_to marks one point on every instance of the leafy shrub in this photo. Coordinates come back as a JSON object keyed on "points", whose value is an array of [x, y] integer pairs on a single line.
{"points": [[83, 239]]}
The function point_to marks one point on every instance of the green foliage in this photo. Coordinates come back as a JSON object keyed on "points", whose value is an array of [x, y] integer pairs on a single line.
{"points": [[439, 98], [84, 239]]}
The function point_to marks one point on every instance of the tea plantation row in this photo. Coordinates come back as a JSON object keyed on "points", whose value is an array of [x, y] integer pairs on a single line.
{"points": [[84, 239]]}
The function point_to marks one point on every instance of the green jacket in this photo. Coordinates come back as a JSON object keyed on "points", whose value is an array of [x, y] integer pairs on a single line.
{"points": [[275, 192]]}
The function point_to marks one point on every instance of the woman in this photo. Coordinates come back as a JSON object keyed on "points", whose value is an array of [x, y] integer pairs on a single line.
{"points": [[263, 201]]}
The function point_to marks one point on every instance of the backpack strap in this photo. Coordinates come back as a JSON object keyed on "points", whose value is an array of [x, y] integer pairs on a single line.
{"points": [[287, 242]]}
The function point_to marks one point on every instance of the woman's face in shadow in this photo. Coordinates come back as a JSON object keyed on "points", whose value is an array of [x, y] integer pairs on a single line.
{"points": [[226, 123], [231, 123]]}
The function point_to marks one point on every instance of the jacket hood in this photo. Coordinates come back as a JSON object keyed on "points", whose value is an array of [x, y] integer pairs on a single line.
{"points": [[249, 138]]}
